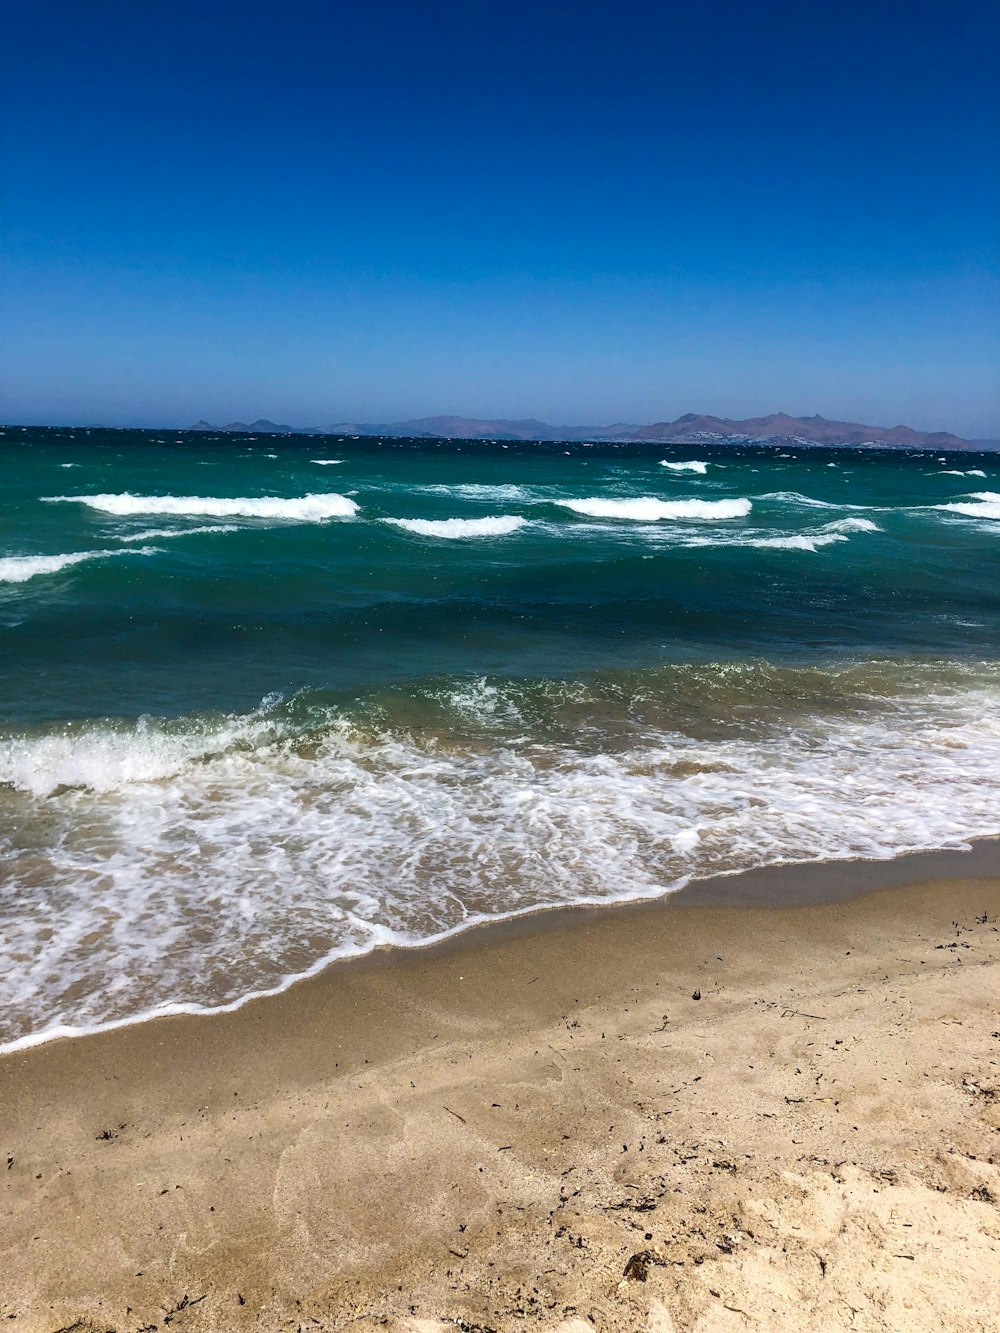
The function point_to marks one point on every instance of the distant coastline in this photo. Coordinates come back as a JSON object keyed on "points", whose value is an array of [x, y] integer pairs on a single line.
{"points": [[753, 432], [691, 428]]}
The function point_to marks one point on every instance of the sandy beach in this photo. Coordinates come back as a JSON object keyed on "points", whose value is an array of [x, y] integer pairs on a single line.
{"points": [[708, 1113]]}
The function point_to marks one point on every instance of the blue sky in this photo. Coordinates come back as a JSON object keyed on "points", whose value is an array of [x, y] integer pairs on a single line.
{"points": [[583, 212]]}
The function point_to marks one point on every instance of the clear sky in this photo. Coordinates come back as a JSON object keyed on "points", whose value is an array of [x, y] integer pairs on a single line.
{"points": [[320, 211]]}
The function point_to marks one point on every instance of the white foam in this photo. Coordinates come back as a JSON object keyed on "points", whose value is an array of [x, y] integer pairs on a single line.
{"points": [[981, 504], [302, 509], [455, 528], [798, 541], [695, 465], [797, 500], [480, 491], [814, 539], [851, 525], [151, 534], [20, 568], [326, 462], [104, 758], [957, 472], [648, 509], [166, 868]]}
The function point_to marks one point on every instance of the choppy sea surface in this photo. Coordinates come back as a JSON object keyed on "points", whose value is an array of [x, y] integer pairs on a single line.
{"points": [[265, 702]]}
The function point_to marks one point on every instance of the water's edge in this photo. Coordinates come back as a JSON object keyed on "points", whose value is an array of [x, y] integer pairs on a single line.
{"points": [[786, 885]]}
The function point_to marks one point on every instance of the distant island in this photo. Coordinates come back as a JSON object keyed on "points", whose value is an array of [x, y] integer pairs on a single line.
{"points": [[692, 428]]}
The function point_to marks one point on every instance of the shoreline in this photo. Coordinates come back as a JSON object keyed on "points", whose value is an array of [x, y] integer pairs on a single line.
{"points": [[785, 884], [780, 1116]]}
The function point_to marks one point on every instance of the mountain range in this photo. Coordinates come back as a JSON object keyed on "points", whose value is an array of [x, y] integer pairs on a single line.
{"points": [[691, 428]]}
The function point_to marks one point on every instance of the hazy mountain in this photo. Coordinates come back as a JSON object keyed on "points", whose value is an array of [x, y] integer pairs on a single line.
{"points": [[814, 430], [688, 429], [261, 427]]}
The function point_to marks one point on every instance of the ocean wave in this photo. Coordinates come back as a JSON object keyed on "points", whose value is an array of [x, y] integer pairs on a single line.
{"points": [[301, 509], [455, 528], [188, 865], [695, 465], [813, 539], [648, 509], [325, 462], [681, 537], [957, 472], [797, 499], [980, 504], [104, 757], [851, 525], [20, 568], [798, 541]]}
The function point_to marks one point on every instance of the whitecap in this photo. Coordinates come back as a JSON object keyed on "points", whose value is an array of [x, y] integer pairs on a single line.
{"points": [[300, 509], [479, 491], [981, 504], [20, 568], [453, 528], [851, 525], [648, 509], [797, 541], [151, 534], [797, 500], [814, 539], [695, 465], [325, 462]]}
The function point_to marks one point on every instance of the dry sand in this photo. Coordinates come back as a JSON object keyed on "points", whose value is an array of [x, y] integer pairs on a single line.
{"points": [[541, 1127]]}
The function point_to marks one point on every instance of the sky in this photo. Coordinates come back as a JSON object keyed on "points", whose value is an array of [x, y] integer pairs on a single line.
{"points": [[320, 211]]}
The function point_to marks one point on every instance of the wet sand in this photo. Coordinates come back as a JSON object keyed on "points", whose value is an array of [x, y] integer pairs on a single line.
{"points": [[709, 1113]]}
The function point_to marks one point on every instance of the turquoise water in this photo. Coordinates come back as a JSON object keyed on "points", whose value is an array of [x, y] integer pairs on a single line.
{"points": [[267, 701]]}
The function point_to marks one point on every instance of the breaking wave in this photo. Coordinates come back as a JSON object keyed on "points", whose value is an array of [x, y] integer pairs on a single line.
{"points": [[150, 534], [648, 509], [20, 568], [455, 528], [981, 504], [165, 866], [304, 509]]}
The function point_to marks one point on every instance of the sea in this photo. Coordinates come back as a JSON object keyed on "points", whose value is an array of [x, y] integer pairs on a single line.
{"points": [[266, 702]]}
